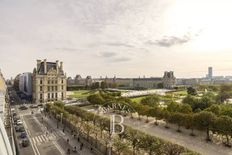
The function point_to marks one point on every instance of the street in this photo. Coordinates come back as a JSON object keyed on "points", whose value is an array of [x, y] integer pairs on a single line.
{"points": [[45, 138]]}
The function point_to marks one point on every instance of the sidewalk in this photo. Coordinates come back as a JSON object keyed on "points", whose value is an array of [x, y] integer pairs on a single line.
{"points": [[67, 135]]}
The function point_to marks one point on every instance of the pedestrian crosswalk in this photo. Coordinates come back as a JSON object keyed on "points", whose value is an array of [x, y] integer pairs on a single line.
{"points": [[45, 138]]}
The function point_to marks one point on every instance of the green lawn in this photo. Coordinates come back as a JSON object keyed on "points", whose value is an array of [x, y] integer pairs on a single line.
{"points": [[165, 98], [137, 99], [179, 93], [81, 93]]}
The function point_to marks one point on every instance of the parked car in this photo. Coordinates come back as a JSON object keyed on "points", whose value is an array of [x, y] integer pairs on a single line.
{"points": [[34, 106], [25, 142], [14, 114], [40, 105], [19, 122], [23, 107], [20, 128], [23, 135], [15, 119]]}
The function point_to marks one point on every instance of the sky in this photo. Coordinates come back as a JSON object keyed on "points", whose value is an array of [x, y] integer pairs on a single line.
{"points": [[122, 38]]}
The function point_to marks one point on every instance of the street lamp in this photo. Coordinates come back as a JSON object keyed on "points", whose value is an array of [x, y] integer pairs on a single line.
{"points": [[61, 117]]}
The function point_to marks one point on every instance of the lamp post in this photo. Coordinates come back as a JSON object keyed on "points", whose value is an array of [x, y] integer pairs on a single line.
{"points": [[57, 121], [61, 117]]}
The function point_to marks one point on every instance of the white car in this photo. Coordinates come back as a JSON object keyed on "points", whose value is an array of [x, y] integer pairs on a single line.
{"points": [[19, 122]]}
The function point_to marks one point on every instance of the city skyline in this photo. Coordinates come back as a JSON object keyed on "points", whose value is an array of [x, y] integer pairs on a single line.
{"points": [[107, 38]]}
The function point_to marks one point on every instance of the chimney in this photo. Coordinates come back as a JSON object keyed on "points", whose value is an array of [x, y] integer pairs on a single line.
{"points": [[57, 66], [61, 66], [45, 66], [38, 64]]}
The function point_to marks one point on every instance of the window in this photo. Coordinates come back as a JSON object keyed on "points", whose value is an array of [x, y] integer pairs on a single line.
{"points": [[48, 95], [41, 81], [52, 95], [62, 87], [62, 81], [48, 81], [52, 88], [55, 88], [56, 95], [62, 95], [41, 88], [48, 88], [41, 96], [52, 81]]}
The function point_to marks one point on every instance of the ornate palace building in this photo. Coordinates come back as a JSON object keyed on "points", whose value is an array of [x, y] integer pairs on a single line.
{"points": [[49, 82]]}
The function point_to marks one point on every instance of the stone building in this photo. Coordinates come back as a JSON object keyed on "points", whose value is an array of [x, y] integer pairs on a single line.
{"points": [[169, 80], [49, 82], [78, 81]]}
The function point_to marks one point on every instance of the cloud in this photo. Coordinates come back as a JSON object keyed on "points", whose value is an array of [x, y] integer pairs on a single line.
{"points": [[68, 49], [108, 54], [118, 44], [121, 59], [168, 41]]}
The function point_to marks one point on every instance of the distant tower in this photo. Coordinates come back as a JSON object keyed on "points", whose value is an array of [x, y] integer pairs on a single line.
{"points": [[210, 72]]}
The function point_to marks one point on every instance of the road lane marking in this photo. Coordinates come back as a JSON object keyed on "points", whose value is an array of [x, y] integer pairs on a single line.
{"points": [[59, 148], [37, 140], [34, 148], [40, 140], [33, 139], [43, 140]]}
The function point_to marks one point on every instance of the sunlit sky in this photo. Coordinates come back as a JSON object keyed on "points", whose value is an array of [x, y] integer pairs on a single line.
{"points": [[126, 38]]}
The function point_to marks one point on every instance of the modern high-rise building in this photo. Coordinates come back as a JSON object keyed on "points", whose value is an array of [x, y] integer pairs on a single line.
{"points": [[210, 72], [25, 84], [49, 82]]}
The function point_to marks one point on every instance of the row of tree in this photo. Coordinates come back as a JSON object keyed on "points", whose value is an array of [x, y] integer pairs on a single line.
{"points": [[201, 114], [130, 139]]}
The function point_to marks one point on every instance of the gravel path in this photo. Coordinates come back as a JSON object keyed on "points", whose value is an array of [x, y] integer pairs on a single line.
{"points": [[197, 143]]}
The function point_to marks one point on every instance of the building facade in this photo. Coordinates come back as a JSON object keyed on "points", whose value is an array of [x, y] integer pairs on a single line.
{"points": [[168, 81], [79, 81], [49, 82]]}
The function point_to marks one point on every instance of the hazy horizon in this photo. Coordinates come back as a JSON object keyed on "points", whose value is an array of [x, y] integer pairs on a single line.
{"points": [[113, 37]]}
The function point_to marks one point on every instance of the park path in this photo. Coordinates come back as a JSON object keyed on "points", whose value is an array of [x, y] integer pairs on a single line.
{"points": [[197, 143]]}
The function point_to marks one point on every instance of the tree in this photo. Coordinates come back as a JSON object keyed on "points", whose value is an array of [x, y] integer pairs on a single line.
{"points": [[160, 85], [96, 99], [135, 138], [191, 91], [152, 100], [224, 93], [103, 85], [177, 118], [120, 145], [173, 107], [166, 116], [224, 127], [157, 113], [204, 120], [151, 144], [185, 109], [145, 111], [172, 149], [189, 123], [214, 109]]}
